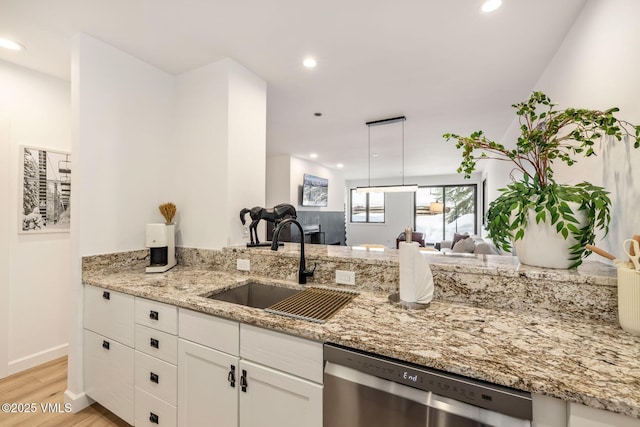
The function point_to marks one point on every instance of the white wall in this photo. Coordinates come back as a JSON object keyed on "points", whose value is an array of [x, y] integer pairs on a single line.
{"points": [[123, 149], [597, 67], [399, 209], [336, 195], [285, 175], [5, 233], [246, 159], [34, 277], [221, 133]]}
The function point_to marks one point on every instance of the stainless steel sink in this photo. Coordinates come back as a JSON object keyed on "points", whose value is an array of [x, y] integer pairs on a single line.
{"points": [[256, 295]]}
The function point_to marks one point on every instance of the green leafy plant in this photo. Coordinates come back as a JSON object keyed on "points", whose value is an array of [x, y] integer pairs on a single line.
{"points": [[547, 135]]}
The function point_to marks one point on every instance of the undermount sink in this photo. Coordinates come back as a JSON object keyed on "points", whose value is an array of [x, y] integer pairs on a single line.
{"points": [[254, 294]]}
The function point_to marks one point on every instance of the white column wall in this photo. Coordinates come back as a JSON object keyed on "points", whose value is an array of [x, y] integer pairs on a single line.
{"points": [[201, 159], [221, 133], [34, 277], [246, 157], [122, 149]]}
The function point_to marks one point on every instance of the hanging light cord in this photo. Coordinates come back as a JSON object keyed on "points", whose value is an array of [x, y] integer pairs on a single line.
{"points": [[402, 152]]}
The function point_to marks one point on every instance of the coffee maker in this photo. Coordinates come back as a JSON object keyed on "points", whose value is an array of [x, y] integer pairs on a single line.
{"points": [[162, 250]]}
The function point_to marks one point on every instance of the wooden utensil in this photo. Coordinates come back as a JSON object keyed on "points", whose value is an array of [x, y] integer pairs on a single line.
{"points": [[607, 255], [636, 237]]}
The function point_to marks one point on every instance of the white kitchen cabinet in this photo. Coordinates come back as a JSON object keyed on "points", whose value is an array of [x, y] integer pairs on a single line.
{"points": [[207, 386], [108, 350], [584, 416], [276, 399], [281, 375], [156, 372]]}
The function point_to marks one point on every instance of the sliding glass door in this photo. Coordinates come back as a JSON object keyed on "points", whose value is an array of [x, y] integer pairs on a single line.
{"points": [[441, 211]]}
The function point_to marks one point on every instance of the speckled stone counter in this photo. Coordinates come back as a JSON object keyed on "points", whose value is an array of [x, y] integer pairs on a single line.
{"points": [[566, 355]]}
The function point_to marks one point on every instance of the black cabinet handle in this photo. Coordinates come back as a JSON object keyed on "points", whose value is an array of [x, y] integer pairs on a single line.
{"points": [[106, 295], [232, 376], [154, 343], [105, 345], [153, 315], [154, 378], [153, 418], [243, 381]]}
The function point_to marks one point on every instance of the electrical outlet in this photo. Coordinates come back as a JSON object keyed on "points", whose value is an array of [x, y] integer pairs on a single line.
{"points": [[245, 231], [345, 277], [243, 264]]}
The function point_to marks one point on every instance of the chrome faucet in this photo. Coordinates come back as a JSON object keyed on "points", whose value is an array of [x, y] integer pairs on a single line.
{"points": [[303, 273]]}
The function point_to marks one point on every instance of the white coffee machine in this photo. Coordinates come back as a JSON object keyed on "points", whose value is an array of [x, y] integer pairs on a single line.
{"points": [[162, 248]]}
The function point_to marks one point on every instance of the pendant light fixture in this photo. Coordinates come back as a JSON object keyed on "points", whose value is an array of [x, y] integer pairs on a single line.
{"points": [[387, 188]]}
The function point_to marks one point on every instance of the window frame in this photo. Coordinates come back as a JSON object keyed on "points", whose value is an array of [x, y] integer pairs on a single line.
{"points": [[444, 188], [367, 209]]}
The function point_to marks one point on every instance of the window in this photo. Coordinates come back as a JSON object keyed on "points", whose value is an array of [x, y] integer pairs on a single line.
{"points": [[367, 207], [442, 211]]}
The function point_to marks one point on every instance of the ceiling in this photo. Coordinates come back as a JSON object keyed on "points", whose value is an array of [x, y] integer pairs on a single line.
{"points": [[444, 65]]}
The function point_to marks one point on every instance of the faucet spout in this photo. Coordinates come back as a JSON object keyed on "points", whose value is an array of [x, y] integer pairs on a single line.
{"points": [[303, 273]]}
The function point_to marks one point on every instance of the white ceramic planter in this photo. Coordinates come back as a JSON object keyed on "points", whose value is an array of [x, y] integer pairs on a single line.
{"points": [[542, 246]]}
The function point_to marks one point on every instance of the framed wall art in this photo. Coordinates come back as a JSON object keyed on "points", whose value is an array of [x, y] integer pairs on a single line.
{"points": [[45, 190]]}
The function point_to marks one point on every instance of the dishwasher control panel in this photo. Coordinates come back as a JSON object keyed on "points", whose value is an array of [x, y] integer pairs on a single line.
{"points": [[474, 392]]}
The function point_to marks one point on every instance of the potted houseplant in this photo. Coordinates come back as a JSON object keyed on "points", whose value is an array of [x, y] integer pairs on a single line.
{"points": [[573, 213]]}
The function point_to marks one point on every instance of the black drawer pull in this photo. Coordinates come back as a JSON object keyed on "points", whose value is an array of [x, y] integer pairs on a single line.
{"points": [[153, 315], [153, 418], [243, 381], [106, 295], [154, 378], [232, 376], [105, 345], [154, 343]]}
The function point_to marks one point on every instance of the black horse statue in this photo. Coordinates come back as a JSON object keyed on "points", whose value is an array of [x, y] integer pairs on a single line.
{"points": [[275, 215]]}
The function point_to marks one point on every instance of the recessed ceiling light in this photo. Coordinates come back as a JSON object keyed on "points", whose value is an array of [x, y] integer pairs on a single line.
{"points": [[490, 5], [375, 155], [309, 62], [313, 155], [340, 165], [10, 44]]}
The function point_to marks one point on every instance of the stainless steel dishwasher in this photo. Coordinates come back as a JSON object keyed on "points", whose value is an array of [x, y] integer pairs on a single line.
{"points": [[366, 390]]}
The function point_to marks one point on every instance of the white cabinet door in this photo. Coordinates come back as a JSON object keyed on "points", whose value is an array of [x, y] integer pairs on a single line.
{"points": [[275, 399], [206, 397], [584, 416], [108, 374]]}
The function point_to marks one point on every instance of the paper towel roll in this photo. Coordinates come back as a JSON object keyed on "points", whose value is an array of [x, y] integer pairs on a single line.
{"points": [[416, 280]]}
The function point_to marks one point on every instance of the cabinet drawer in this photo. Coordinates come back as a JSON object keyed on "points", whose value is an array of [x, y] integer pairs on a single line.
{"points": [[156, 377], [297, 356], [157, 315], [157, 343], [108, 374], [153, 412], [109, 313], [210, 331]]}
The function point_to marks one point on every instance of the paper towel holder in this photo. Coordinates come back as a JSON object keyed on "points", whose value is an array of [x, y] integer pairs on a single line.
{"points": [[395, 300]]}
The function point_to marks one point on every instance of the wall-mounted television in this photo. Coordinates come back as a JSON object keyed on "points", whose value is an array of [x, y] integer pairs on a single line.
{"points": [[315, 191]]}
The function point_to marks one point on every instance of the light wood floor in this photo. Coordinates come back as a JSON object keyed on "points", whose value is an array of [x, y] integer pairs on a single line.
{"points": [[45, 384]]}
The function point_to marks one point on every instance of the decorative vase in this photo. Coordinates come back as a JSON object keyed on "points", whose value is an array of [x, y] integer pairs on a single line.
{"points": [[543, 246]]}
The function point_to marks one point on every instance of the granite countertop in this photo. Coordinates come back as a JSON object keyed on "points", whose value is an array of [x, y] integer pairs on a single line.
{"points": [[590, 362]]}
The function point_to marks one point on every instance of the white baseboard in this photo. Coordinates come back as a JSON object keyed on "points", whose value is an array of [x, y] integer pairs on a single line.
{"points": [[36, 359], [78, 401]]}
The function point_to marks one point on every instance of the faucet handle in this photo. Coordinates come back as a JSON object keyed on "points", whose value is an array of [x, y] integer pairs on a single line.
{"points": [[309, 273]]}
